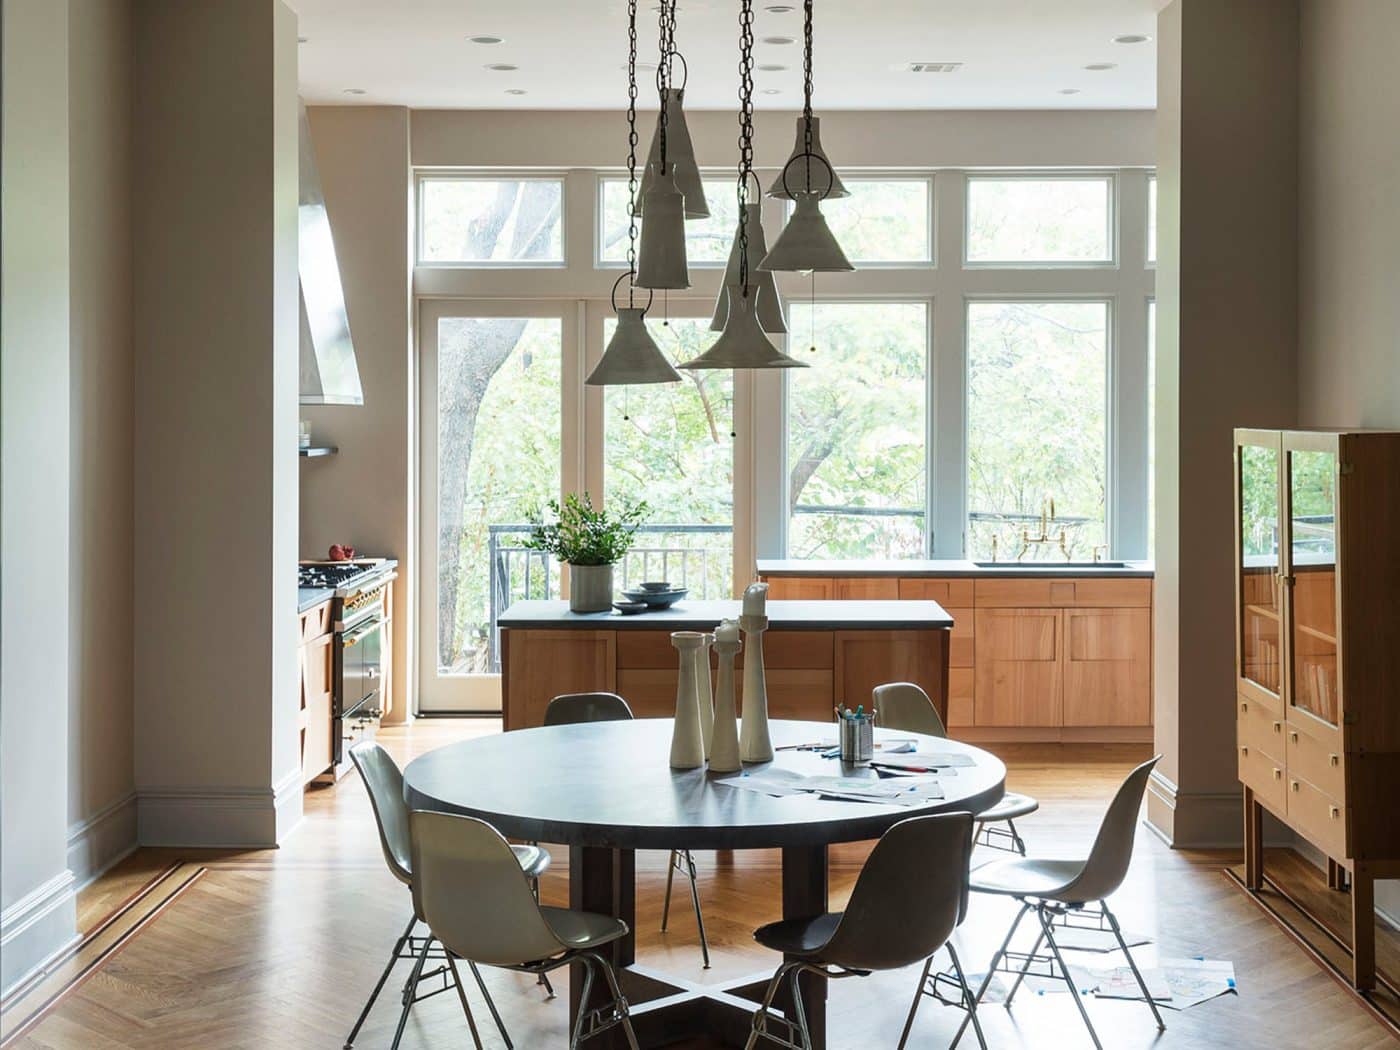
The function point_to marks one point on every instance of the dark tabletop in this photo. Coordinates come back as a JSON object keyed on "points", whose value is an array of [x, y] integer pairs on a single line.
{"points": [[611, 784], [705, 615]]}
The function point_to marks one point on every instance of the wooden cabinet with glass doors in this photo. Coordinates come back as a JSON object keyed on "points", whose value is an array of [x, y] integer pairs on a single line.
{"points": [[1317, 600]]}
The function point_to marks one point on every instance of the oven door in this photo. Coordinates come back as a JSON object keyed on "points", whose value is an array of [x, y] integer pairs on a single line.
{"points": [[362, 656]]}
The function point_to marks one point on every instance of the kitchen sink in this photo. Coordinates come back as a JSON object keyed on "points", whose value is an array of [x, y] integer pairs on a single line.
{"points": [[1051, 566]]}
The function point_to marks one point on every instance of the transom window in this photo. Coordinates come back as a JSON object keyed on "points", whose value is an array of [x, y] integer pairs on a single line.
{"points": [[491, 221], [884, 222], [1039, 220]]}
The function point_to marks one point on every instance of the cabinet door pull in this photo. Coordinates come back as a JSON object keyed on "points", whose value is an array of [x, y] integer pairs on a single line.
{"points": [[1293, 785], [1278, 773], [1244, 750], [1334, 760], [1333, 812], [1278, 728], [1244, 706], [1292, 735]]}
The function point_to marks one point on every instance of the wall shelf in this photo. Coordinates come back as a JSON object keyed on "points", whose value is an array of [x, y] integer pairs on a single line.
{"points": [[317, 450]]}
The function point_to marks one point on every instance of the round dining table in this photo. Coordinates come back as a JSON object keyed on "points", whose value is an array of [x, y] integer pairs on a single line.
{"points": [[606, 789]]}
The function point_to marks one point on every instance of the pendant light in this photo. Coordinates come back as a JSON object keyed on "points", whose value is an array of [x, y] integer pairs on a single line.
{"points": [[809, 130], [680, 150], [770, 304], [631, 355], [661, 261], [807, 243], [742, 343]]}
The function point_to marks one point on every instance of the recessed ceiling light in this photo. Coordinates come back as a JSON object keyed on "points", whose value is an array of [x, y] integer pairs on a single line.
{"points": [[779, 9], [778, 40], [485, 40], [1069, 91], [354, 91], [771, 68], [1099, 67], [645, 67], [1132, 38], [772, 91], [303, 40], [516, 91], [502, 67]]}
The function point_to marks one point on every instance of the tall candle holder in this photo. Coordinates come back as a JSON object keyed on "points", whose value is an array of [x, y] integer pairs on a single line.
{"points": [[687, 742], [704, 689], [724, 743], [755, 743]]}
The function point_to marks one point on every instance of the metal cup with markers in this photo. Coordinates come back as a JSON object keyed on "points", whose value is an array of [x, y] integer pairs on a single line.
{"points": [[857, 736]]}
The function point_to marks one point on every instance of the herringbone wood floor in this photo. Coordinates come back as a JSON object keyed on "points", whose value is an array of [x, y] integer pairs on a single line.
{"points": [[278, 948]]}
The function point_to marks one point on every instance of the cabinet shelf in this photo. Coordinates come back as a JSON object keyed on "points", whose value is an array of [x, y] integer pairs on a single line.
{"points": [[1313, 632]]}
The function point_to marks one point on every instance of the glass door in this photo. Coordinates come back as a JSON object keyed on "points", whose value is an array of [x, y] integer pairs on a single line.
{"points": [[1310, 465], [1259, 563], [491, 425]]}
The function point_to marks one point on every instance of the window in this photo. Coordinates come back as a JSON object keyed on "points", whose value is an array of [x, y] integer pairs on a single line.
{"points": [[1152, 218], [857, 422], [1151, 426], [490, 221], [707, 241], [670, 444], [1036, 429], [1048, 220], [883, 221]]}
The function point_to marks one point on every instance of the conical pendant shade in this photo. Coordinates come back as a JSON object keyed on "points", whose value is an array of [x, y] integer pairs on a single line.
{"points": [[770, 304], [742, 344], [632, 356], [822, 175], [806, 242], [661, 255], [679, 152]]}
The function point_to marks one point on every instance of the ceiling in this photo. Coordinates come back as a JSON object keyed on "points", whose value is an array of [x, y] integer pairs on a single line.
{"points": [[572, 54]]}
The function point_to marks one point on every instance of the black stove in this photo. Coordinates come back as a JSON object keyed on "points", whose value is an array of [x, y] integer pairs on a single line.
{"points": [[334, 574]]}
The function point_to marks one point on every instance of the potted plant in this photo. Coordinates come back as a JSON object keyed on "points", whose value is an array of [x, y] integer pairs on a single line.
{"points": [[590, 542]]}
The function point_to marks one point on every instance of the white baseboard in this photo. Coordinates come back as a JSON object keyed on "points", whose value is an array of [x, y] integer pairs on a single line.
{"points": [[35, 928], [229, 818], [100, 841], [1203, 819]]}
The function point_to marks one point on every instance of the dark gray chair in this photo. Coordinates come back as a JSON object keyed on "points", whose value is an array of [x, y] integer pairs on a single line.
{"points": [[384, 780], [906, 708], [573, 708], [1058, 891], [898, 915]]}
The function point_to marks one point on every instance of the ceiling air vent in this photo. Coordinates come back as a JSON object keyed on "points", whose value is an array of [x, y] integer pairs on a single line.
{"points": [[934, 67]]}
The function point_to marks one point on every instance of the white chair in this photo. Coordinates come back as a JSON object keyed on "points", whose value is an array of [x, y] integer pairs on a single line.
{"points": [[471, 891], [905, 707], [573, 708], [1056, 890], [384, 780]]}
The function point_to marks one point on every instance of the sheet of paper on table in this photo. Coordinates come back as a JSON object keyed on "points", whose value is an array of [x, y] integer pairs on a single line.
{"points": [[923, 760], [902, 791]]}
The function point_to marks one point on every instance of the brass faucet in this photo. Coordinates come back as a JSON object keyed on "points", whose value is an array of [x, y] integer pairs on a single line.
{"points": [[1100, 549], [1047, 518]]}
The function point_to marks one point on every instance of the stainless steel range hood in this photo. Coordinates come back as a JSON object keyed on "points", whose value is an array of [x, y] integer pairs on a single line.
{"points": [[329, 375]]}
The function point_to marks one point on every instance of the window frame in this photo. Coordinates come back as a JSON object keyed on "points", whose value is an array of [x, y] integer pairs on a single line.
{"points": [[929, 179], [1113, 262], [422, 177]]}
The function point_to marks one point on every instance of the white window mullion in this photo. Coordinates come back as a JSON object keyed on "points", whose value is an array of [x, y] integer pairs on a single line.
{"points": [[948, 450]]}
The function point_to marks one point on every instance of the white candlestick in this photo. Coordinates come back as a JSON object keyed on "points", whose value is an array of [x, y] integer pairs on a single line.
{"points": [[687, 742], [704, 690], [755, 743], [756, 599], [724, 744]]}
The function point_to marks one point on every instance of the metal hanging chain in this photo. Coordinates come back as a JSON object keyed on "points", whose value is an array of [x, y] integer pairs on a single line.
{"points": [[667, 44], [631, 150], [807, 87], [745, 136]]}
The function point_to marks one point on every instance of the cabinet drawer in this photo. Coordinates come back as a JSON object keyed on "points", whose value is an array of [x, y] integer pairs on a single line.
{"points": [[1320, 818], [1013, 593], [1060, 592], [961, 709], [1118, 594], [1264, 774], [946, 593], [781, 649], [799, 588], [961, 650], [863, 588], [1315, 761], [1258, 728]]}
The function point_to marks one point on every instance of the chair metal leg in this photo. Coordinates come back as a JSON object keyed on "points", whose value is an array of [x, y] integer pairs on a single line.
{"points": [[408, 992], [670, 875], [914, 1006], [462, 995], [967, 996], [1045, 926], [379, 986], [695, 900], [491, 1005], [1132, 964], [582, 1001], [1024, 969], [542, 978], [991, 970], [760, 1016], [800, 1011], [619, 1001], [1016, 839]]}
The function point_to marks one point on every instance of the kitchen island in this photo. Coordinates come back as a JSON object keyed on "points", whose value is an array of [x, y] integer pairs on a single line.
{"points": [[816, 653]]}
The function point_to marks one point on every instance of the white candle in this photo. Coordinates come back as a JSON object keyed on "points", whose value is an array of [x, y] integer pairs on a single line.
{"points": [[755, 597], [727, 631]]}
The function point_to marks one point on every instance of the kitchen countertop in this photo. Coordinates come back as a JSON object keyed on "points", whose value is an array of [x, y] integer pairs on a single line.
{"points": [[310, 597], [951, 567], [705, 615]]}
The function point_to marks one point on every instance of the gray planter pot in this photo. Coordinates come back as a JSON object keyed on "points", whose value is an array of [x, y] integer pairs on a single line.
{"points": [[590, 588]]}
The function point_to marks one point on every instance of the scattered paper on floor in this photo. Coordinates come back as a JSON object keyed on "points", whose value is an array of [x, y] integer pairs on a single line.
{"points": [[1175, 983]]}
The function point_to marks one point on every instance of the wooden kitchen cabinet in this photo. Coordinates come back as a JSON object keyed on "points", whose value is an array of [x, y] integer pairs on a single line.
{"points": [[866, 588], [1019, 673], [1107, 667], [800, 588], [540, 665], [314, 714]]}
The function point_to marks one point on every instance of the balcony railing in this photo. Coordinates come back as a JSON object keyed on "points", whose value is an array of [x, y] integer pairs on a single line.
{"points": [[686, 555]]}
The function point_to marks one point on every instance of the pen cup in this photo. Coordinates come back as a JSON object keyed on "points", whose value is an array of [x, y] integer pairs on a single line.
{"points": [[857, 740]]}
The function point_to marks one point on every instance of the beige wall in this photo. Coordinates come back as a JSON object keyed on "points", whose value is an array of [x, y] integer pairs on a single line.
{"points": [[216, 335], [1227, 289], [37, 915], [364, 496], [101, 785]]}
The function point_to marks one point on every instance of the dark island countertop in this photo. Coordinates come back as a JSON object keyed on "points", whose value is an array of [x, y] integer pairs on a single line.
{"points": [[949, 567], [705, 615], [310, 597]]}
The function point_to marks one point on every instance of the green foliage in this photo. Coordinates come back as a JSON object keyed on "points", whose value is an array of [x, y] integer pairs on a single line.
{"points": [[578, 534]]}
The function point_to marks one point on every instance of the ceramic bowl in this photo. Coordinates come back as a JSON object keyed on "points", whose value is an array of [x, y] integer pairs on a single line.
{"points": [[654, 585], [629, 608], [657, 599]]}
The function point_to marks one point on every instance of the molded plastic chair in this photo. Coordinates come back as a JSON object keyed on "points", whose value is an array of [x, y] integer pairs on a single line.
{"points": [[1056, 888], [905, 707], [573, 708], [384, 780], [897, 916], [469, 888]]}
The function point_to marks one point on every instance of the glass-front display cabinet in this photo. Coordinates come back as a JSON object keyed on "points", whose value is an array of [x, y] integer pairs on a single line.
{"points": [[1317, 676]]}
